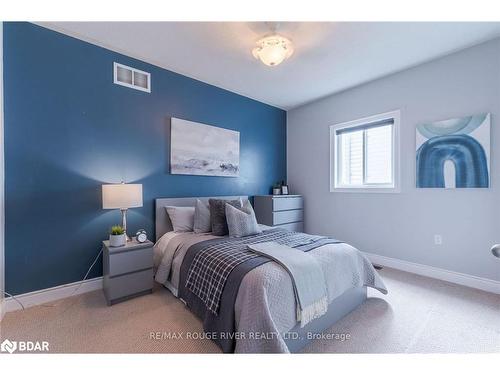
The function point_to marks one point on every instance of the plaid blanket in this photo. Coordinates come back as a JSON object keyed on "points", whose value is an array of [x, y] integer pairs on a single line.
{"points": [[212, 265]]}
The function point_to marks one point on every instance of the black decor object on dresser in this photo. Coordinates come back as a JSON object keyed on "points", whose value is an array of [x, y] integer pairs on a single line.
{"points": [[283, 211]]}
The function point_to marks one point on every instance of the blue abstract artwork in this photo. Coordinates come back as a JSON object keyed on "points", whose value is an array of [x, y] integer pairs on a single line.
{"points": [[454, 153]]}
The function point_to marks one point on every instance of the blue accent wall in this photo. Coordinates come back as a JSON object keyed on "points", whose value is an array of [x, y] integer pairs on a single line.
{"points": [[69, 129]]}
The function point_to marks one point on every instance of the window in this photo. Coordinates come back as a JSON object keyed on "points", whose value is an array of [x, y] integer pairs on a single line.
{"points": [[365, 154], [131, 77]]}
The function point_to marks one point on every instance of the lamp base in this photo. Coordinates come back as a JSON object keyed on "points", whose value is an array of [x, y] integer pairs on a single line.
{"points": [[124, 223]]}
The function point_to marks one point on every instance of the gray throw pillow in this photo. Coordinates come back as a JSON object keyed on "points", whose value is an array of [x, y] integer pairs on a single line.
{"points": [[218, 215], [182, 218], [241, 222], [202, 217]]}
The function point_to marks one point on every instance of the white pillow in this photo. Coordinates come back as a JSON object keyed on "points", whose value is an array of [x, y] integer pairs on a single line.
{"points": [[182, 218], [202, 222], [241, 222]]}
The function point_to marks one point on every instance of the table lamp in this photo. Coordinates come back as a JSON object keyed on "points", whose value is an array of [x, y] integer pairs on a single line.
{"points": [[122, 196]]}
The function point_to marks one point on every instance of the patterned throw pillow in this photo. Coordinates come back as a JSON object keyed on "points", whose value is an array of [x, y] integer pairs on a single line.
{"points": [[202, 217], [241, 222], [218, 215]]}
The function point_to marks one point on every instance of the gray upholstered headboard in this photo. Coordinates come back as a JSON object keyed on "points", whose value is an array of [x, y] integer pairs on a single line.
{"points": [[162, 221]]}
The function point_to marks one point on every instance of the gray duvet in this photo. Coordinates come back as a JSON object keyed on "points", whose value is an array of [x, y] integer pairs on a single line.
{"points": [[265, 307]]}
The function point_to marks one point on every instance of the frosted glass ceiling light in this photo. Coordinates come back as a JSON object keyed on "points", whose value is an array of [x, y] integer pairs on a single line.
{"points": [[273, 50]]}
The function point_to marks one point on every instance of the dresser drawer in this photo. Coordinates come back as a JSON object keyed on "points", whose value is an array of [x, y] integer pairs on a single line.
{"points": [[293, 227], [284, 217], [130, 261], [126, 285], [287, 203]]}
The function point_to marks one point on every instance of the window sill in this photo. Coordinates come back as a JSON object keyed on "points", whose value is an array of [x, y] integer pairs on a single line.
{"points": [[364, 190]]}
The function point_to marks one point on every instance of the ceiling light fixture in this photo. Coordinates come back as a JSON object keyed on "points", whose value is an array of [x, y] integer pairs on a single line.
{"points": [[273, 50]]}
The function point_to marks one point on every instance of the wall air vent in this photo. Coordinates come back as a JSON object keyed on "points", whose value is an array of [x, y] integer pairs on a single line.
{"points": [[131, 77]]}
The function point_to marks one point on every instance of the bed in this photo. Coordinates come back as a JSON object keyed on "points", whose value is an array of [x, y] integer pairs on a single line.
{"points": [[257, 312]]}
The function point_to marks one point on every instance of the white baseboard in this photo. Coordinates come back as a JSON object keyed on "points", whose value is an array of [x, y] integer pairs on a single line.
{"points": [[487, 285], [39, 297]]}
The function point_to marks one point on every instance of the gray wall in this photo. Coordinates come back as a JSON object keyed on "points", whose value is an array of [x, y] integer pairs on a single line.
{"points": [[403, 225]]}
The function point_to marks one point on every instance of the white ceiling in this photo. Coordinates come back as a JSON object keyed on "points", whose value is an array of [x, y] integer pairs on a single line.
{"points": [[328, 58]]}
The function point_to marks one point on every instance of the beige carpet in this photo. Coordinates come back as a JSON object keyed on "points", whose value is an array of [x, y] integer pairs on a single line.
{"points": [[419, 315]]}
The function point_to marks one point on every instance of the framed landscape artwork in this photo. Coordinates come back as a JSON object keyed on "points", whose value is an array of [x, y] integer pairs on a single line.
{"points": [[199, 149], [454, 153]]}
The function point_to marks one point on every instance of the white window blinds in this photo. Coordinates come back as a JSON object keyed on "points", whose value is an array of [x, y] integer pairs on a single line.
{"points": [[378, 155], [351, 158], [365, 154]]}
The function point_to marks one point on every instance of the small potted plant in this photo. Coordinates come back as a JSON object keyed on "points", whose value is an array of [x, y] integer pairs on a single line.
{"points": [[117, 236]]}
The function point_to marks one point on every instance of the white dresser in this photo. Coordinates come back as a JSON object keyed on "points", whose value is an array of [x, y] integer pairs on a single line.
{"points": [[284, 211]]}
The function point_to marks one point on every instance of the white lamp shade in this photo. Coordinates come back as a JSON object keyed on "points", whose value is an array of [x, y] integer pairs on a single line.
{"points": [[117, 196]]}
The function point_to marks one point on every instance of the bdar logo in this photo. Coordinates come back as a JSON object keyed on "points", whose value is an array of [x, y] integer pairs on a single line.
{"points": [[24, 346], [8, 346]]}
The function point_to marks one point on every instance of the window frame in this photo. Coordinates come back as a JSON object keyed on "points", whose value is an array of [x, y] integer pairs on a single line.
{"points": [[334, 160]]}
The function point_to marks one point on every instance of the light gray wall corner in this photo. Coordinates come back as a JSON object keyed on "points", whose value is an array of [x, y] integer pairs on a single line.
{"points": [[403, 225]]}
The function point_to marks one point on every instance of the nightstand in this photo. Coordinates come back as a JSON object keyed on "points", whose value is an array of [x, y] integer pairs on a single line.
{"points": [[283, 211], [127, 270]]}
